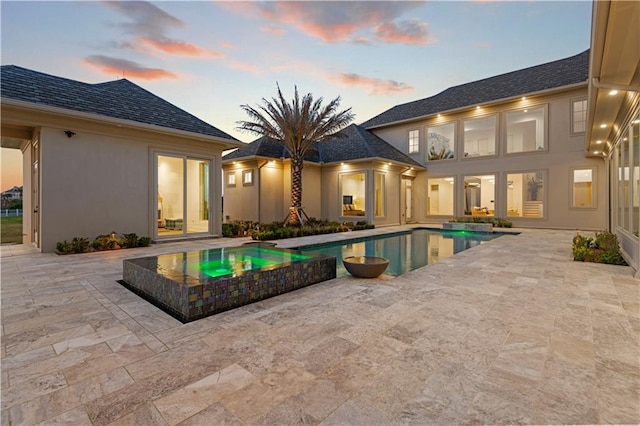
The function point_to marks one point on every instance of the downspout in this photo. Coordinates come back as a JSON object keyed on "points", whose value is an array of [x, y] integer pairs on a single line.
{"points": [[260, 166]]}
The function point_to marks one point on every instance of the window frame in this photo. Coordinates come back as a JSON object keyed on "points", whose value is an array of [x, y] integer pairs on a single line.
{"points": [[453, 182], [383, 175], [231, 179], [454, 124], [496, 133], [545, 130], [572, 113], [594, 192], [411, 147], [246, 173], [495, 193], [545, 196], [341, 195]]}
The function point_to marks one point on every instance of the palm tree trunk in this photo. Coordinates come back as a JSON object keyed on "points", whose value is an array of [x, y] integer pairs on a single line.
{"points": [[296, 189]]}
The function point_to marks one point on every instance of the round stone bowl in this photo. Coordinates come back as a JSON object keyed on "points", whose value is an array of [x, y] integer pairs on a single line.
{"points": [[365, 266]]}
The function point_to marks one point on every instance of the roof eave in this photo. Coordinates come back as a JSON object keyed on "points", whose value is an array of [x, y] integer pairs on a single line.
{"points": [[118, 122], [490, 103]]}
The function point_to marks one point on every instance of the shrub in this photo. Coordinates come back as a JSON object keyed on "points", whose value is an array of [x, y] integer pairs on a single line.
{"points": [[105, 242], [129, 240], [101, 243], [495, 221], [604, 249], [276, 230]]}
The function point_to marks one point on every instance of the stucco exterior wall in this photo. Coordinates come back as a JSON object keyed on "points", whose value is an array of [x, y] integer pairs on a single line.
{"points": [[272, 188], [93, 183], [241, 201]]}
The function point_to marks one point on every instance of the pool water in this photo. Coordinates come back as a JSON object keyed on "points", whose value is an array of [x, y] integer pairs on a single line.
{"points": [[226, 261], [406, 251]]}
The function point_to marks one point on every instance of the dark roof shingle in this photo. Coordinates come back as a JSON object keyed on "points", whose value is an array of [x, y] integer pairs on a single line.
{"points": [[356, 143], [120, 99], [564, 72]]}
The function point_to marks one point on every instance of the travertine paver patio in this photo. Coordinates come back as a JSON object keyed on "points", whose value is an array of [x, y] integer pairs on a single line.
{"points": [[512, 331]]}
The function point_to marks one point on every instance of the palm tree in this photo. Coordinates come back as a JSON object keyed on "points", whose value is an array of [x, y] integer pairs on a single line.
{"points": [[298, 125]]}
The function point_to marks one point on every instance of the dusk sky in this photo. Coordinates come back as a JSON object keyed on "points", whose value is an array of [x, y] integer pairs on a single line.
{"points": [[210, 57]]}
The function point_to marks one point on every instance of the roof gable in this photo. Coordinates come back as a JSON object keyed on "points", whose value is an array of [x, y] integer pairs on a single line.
{"points": [[356, 143], [119, 99], [564, 72]]}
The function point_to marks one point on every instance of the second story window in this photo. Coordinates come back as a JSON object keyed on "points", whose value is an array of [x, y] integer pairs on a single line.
{"points": [[526, 130], [414, 141], [578, 116], [480, 136], [441, 142]]}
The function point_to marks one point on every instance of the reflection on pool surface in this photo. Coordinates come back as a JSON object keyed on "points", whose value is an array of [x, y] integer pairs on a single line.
{"points": [[406, 251], [225, 261]]}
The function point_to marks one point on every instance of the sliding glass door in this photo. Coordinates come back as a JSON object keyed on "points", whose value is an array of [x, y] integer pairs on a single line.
{"points": [[183, 194]]}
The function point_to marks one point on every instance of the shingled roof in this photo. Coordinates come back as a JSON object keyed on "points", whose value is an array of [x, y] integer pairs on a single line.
{"points": [[356, 143], [120, 99], [564, 72]]}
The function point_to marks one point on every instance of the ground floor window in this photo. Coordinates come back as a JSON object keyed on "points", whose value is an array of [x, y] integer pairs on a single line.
{"points": [[352, 191], [582, 188], [479, 195], [525, 194], [183, 195], [441, 193], [380, 199]]}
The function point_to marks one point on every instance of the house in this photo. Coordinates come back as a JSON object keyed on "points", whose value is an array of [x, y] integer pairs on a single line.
{"points": [[109, 157], [613, 116], [12, 194], [509, 146], [352, 177], [550, 146], [494, 147]]}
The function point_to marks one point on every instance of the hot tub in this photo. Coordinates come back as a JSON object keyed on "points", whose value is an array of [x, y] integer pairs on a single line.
{"points": [[197, 284]]}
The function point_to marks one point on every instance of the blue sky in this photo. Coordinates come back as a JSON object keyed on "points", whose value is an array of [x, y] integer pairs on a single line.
{"points": [[210, 57]]}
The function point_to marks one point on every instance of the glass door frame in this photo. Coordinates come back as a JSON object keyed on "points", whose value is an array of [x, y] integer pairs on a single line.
{"points": [[185, 157]]}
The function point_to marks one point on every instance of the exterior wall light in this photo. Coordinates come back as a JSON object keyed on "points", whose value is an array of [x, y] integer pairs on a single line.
{"points": [[69, 133]]}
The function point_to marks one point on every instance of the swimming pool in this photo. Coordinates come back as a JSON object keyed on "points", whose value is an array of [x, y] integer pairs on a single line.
{"points": [[196, 284], [406, 251]]}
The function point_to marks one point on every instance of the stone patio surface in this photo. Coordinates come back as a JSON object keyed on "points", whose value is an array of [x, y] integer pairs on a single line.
{"points": [[509, 332]]}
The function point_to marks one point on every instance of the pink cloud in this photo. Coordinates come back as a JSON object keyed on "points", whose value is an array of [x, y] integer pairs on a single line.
{"points": [[181, 48], [115, 66], [149, 25], [375, 86], [408, 32], [333, 21]]}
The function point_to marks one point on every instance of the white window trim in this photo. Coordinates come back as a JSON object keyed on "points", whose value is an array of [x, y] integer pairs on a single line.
{"points": [[246, 173], [231, 179], [496, 144], [594, 189], [545, 131], [417, 145], [456, 124], [571, 111], [545, 199]]}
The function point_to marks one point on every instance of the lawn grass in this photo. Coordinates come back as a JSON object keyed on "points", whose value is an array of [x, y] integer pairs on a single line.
{"points": [[11, 230]]}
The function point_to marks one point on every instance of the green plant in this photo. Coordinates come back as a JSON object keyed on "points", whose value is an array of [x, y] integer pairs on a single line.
{"points": [[79, 245], [495, 221], [144, 241], [105, 242], [603, 249], [129, 240]]}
